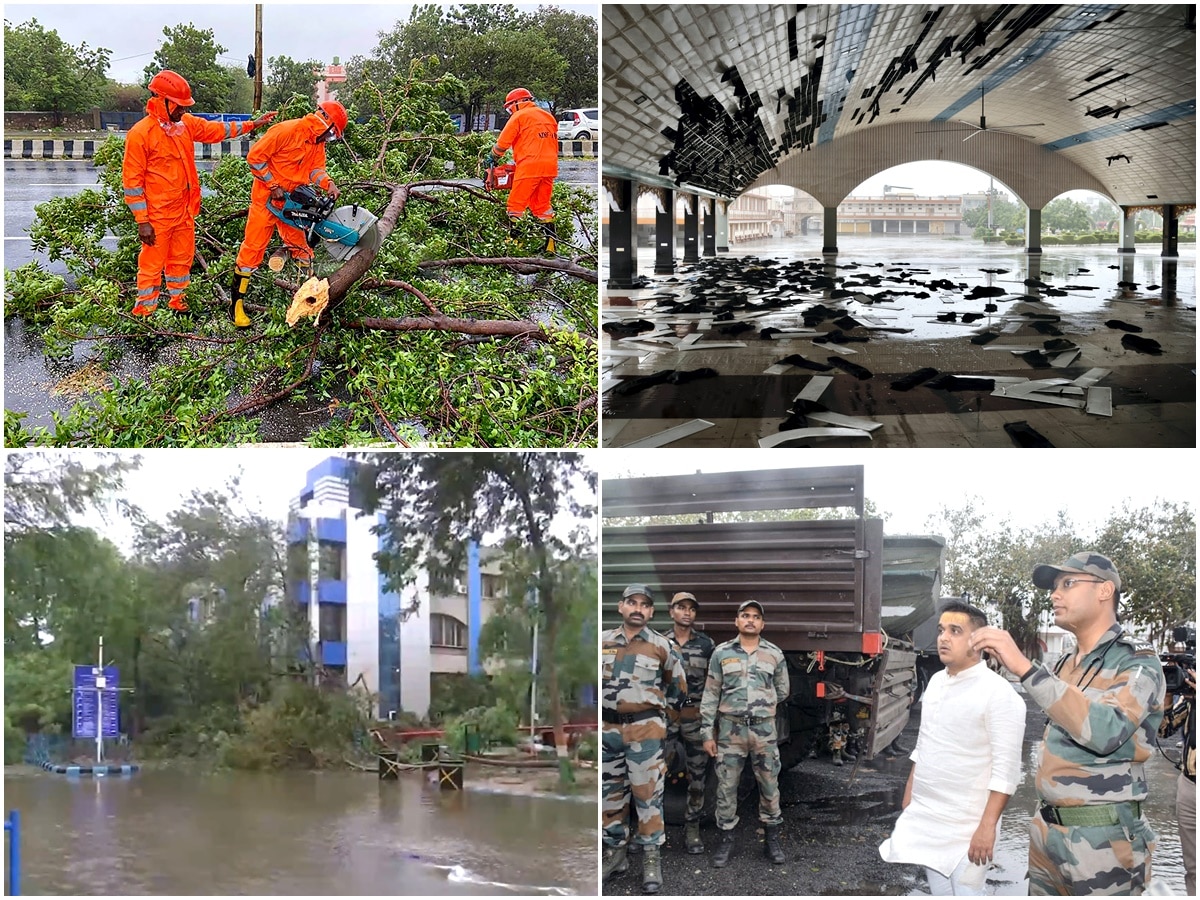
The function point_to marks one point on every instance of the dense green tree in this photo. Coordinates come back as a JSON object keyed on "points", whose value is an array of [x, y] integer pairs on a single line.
{"points": [[574, 36], [241, 94], [123, 97], [44, 490], [1063, 214], [43, 72], [434, 503], [1006, 215], [285, 77], [193, 53]]}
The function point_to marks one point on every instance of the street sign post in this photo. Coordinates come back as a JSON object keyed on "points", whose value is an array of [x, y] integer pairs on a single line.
{"points": [[95, 708]]}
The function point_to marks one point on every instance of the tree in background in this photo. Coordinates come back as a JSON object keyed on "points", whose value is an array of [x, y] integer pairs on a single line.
{"points": [[1064, 214], [574, 37], [42, 72], [44, 490], [434, 503], [1006, 215], [241, 95], [123, 97], [285, 77], [193, 52]]}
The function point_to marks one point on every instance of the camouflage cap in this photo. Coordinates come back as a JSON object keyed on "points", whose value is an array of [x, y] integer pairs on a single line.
{"points": [[684, 595], [746, 603], [637, 589], [1084, 563]]}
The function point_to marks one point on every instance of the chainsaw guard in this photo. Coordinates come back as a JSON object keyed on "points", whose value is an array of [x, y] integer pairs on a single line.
{"points": [[350, 230]]}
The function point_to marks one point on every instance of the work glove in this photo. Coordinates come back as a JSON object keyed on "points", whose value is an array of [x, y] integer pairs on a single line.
{"points": [[278, 195], [264, 119], [146, 233]]}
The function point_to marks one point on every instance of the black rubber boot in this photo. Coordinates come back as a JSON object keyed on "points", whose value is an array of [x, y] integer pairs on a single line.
{"points": [[691, 838], [651, 870], [771, 848], [551, 233], [720, 857], [237, 293]]}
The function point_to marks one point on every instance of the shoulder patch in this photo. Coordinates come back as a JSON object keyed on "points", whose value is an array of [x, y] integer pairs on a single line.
{"points": [[1139, 647]]}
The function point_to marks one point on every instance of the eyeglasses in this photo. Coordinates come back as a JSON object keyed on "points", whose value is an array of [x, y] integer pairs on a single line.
{"points": [[1067, 583]]}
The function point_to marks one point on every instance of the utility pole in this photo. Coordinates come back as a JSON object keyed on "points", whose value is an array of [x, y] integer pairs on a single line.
{"points": [[991, 194], [258, 57]]}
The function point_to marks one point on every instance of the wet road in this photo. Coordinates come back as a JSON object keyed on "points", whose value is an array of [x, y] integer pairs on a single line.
{"points": [[836, 818], [298, 833]]}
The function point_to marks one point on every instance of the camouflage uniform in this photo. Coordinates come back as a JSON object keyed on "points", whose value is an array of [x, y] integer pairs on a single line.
{"points": [[642, 678], [1103, 717], [685, 723], [744, 688]]}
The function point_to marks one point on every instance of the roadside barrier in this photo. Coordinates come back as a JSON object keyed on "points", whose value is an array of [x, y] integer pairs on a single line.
{"points": [[30, 148]]}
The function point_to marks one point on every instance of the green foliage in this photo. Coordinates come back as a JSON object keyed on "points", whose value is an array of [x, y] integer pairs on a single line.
{"points": [[495, 723], [452, 693], [286, 77], [193, 53], [14, 743], [42, 72], [1063, 214], [432, 386]]}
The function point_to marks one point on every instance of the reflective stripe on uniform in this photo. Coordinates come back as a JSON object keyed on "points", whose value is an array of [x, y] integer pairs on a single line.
{"points": [[136, 205], [148, 292], [134, 192], [313, 175]]}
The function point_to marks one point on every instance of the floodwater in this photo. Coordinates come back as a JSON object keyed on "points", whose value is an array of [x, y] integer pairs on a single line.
{"points": [[295, 833]]}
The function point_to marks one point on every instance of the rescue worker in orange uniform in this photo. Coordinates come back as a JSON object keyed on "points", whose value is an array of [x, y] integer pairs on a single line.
{"points": [[532, 133], [162, 187], [289, 155]]}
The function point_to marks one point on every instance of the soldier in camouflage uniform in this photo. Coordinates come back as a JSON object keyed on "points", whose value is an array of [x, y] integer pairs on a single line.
{"points": [[747, 677], [694, 649], [1104, 704], [643, 677]]}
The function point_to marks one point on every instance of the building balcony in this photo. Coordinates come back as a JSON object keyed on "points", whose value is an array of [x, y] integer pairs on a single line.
{"points": [[298, 532], [331, 530], [330, 591], [300, 592]]}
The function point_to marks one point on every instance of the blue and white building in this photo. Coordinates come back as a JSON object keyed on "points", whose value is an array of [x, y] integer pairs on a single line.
{"points": [[395, 642]]}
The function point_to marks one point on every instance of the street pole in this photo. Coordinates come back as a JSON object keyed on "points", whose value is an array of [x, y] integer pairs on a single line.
{"points": [[991, 191], [533, 684], [258, 57], [100, 705]]}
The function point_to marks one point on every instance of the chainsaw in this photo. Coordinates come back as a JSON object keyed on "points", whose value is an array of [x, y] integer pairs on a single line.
{"points": [[499, 178], [343, 232]]}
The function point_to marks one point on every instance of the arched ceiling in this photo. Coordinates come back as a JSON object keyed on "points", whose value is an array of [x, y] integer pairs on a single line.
{"points": [[719, 98]]}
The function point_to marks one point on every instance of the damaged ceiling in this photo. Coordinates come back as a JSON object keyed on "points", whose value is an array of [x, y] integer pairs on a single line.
{"points": [[720, 98]]}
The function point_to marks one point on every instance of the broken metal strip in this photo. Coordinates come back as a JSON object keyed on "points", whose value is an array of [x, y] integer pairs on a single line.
{"points": [[1064, 359], [715, 345], [691, 339], [678, 433], [815, 387], [838, 419], [838, 348], [1099, 401], [800, 433], [1091, 377], [777, 369]]}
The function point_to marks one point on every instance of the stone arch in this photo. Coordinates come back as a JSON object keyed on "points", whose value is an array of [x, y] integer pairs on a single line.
{"points": [[829, 172]]}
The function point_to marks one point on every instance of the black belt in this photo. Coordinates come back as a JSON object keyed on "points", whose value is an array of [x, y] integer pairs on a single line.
{"points": [[747, 720], [615, 718]]}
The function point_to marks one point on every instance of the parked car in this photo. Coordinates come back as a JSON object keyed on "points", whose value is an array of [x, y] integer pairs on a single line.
{"points": [[579, 124]]}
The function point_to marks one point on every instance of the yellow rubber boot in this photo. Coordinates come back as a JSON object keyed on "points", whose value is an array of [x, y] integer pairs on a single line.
{"points": [[237, 311]]}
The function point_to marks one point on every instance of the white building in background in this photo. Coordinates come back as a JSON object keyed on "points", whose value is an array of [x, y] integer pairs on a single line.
{"points": [[396, 643]]}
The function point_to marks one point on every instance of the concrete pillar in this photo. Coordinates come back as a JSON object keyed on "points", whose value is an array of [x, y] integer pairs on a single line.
{"points": [[1170, 239], [622, 236], [710, 227], [1170, 281], [691, 229], [1127, 272], [722, 226], [1033, 231], [1033, 269], [664, 235], [1125, 244], [829, 230]]}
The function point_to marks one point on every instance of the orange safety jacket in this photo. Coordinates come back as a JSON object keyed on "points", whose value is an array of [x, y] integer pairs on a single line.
{"points": [[533, 135], [288, 156], [162, 186]]}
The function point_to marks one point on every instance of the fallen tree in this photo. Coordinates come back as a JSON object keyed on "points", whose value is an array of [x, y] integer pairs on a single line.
{"points": [[453, 333]]}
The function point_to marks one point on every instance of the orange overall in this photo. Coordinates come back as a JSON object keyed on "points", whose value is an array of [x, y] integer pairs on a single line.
{"points": [[162, 187], [287, 156], [533, 135]]}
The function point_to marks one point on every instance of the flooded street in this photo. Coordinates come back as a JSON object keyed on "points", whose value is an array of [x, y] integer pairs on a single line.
{"points": [[296, 833], [835, 818]]}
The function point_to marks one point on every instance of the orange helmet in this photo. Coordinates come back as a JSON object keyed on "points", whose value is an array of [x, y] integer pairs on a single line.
{"points": [[335, 114], [172, 86], [516, 95]]}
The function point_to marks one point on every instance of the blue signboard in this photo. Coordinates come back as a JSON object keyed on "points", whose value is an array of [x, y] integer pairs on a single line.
{"points": [[85, 695]]}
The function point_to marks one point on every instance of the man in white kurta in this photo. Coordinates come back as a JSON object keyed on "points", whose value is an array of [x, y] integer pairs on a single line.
{"points": [[966, 765]]}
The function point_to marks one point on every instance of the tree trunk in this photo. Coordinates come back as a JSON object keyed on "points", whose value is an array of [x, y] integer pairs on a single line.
{"points": [[566, 776]]}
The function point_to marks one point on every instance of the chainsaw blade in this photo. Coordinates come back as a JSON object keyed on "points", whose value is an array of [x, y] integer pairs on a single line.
{"points": [[362, 223]]}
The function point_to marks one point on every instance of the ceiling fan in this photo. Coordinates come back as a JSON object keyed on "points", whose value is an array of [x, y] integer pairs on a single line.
{"points": [[983, 126]]}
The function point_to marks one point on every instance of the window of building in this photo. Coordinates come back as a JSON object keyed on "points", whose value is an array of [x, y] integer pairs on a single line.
{"points": [[331, 561], [333, 622], [492, 586], [447, 631]]}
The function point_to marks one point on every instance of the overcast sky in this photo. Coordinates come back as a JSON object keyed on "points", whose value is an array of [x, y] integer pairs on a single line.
{"points": [[133, 32], [1029, 489]]}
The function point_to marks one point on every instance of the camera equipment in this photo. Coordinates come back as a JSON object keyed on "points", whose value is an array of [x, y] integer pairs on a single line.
{"points": [[1175, 664]]}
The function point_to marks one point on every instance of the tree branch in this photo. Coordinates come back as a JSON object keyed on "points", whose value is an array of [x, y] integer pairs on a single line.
{"points": [[524, 265]]}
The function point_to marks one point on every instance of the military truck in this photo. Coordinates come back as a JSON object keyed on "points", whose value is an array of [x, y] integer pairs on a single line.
{"points": [[841, 599]]}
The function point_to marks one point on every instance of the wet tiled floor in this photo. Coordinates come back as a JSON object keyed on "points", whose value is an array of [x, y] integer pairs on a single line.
{"points": [[772, 285]]}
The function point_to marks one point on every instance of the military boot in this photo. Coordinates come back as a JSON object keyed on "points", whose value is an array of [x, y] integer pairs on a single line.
{"points": [[237, 293], [771, 848], [615, 861], [691, 838], [651, 870], [720, 857]]}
